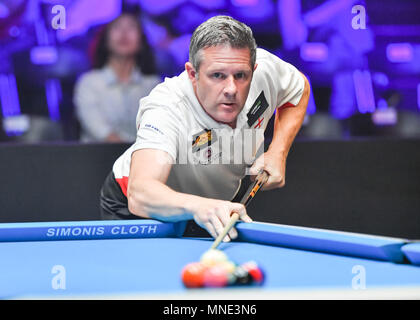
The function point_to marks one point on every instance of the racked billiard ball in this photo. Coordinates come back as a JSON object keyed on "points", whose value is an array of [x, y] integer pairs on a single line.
{"points": [[212, 257], [215, 277], [193, 275], [255, 271], [228, 265], [242, 276]]}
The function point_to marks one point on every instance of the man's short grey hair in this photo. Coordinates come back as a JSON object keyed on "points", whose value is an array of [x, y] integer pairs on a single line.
{"points": [[221, 30]]}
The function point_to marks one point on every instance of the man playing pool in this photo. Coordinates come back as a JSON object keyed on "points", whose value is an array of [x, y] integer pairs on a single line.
{"points": [[181, 166]]}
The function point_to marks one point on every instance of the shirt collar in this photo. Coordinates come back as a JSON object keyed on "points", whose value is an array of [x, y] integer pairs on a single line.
{"points": [[111, 77]]}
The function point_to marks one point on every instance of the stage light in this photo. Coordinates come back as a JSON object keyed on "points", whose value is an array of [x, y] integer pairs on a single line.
{"points": [[314, 52], [42, 55], [399, 52], [16, 125]]}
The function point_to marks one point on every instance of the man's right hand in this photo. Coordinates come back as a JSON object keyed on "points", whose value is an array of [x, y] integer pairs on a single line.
{"points": [[214, 215]]}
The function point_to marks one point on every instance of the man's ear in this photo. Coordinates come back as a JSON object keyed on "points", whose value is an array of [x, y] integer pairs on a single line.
{"points": [[191, 71], [255, 66]]}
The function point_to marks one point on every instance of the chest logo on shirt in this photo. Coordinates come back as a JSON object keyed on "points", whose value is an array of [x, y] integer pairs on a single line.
{"points": [[258, 125], [202, 140], [257, 109]]}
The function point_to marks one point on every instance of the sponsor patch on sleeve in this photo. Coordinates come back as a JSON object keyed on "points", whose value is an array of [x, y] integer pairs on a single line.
{"points": [[150, 126]]}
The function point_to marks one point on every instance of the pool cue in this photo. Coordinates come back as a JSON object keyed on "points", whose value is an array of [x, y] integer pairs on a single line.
{"points": [[246, 199]]}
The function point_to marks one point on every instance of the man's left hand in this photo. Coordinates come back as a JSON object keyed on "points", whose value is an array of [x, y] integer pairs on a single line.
{"points": [[275, 165]]}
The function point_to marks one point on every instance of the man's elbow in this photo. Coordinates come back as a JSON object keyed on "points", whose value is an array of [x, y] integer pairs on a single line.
{"points": [[306, 90], [131, 204], [304, 100], [135, 202]]}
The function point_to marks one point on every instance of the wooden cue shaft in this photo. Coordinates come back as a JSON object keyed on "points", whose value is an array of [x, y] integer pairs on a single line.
{"points": [[249, 195]]}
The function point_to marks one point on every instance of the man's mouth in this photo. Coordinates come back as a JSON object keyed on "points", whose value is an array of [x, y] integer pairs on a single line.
{"points": [[228, 104]]}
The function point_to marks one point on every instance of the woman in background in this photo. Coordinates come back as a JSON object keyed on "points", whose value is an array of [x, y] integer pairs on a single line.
{"points": [[107, 98]]}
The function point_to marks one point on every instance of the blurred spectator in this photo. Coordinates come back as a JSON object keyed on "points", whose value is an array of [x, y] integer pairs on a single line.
{"points": [[107, 98]]}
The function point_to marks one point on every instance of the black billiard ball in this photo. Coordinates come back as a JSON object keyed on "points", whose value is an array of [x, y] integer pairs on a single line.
{"points": [[242, 276]]}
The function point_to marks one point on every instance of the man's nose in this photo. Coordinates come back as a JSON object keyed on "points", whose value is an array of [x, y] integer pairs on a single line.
{"points": [[230, 86]]}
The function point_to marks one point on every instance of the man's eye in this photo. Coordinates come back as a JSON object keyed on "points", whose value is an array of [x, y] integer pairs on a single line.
{"points": [[217, 75], [239, 75]]}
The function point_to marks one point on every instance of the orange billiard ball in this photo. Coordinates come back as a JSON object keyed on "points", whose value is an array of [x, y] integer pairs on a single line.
{"points": [[193, 275]]}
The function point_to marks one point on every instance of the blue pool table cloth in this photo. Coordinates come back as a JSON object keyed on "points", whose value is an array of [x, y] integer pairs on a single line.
{"points": [[146, 257]]}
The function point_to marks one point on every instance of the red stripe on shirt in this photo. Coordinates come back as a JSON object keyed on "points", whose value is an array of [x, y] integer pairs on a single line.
{"points": [[286, 105], [123, 182]]}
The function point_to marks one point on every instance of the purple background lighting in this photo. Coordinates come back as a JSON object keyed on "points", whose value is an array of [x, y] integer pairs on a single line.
{"points": [[364, 91], [53, 94], [360, 79], [9, 95], [418, 96], [81, 15]]}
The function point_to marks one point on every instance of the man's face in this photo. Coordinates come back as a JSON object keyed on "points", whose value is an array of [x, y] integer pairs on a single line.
{"points": [[222, 82]]}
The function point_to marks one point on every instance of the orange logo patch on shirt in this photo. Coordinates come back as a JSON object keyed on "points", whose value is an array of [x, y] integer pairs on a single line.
{"points": [[202, 139]]}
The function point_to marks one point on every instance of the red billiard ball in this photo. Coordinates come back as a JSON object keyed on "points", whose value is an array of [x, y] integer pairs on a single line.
{"points": [[255, 271], [216, 277], [193, 275]]}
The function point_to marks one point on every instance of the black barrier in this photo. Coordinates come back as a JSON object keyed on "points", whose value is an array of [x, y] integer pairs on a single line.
{"points": [[367, 186], [54, 182]]}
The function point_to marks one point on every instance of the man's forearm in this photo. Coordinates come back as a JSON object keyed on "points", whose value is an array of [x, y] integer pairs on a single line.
{"points": [[153, 199], [288, 123]]}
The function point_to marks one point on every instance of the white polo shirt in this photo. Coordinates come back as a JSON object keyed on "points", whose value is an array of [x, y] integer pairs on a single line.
{"points": [[210, 158]]}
